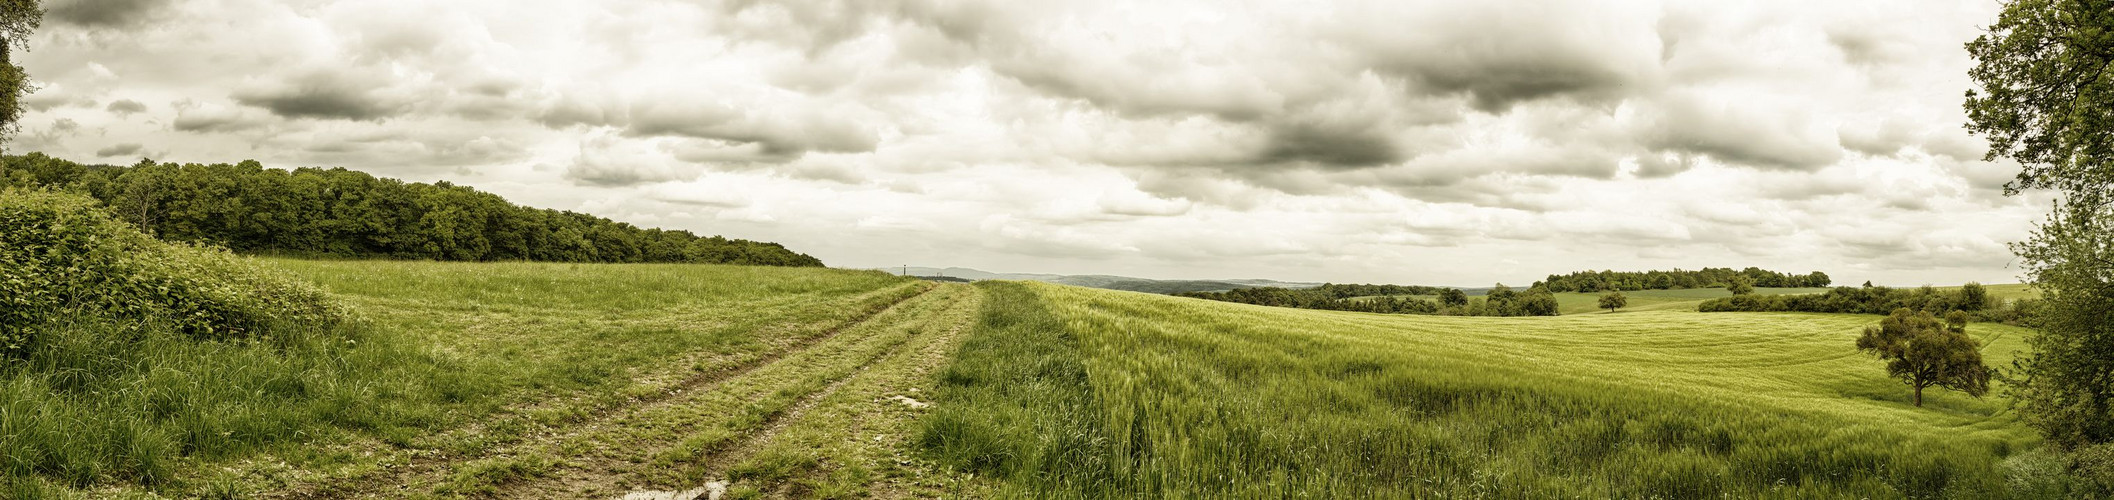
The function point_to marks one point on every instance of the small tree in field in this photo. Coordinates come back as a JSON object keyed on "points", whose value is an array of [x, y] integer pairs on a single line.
{"points": [[1741, 285], [1924, 352], [1453, 297], [1614, 300]]}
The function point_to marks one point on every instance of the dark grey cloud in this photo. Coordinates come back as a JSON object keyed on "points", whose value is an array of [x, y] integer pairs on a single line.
{"points": [[1761, 138], [195, 117], [324, 94], [125, 107], [103, 13], [1331, 145], [127, 149]]}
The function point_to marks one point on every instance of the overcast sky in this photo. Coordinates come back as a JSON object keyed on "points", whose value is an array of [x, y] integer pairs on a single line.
{"points": [[1388, 141]]}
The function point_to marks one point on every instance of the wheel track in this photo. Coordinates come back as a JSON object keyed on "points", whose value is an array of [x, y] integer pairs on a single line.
{"points": [[396, 481], [581, 480]]}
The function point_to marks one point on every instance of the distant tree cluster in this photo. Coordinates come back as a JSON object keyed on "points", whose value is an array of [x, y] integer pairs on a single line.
{"points": [[337, 212], [1972, 298], [1393, 299], [1709, 277]]}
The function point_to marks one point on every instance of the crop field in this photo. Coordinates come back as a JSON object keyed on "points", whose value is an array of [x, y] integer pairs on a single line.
{"points": [[524, 380], [1156, 396]]}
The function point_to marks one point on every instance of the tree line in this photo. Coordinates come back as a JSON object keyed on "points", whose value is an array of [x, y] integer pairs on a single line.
{"points": [[1709, 277], [343, 213], [1972, 299], [1394, 299]]}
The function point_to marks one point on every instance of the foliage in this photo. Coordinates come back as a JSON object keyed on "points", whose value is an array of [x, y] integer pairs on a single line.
{"points": [[61, 258], [17, 19], [2045, 94], [1862, 300], [1924, 352], [123, 353], [1614, 300], [2062, 387], [1453, 297], [342, 213], [1194, 399], [1392, 299], [1709, 277], [2045, 97], [1741, 285]]}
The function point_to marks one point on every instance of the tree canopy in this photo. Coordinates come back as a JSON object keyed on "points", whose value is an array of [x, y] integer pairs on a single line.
{"points": [[1924, 352], [1614, 300], [1709, 277], [2044, 97], [17, 19], [343, 213]]}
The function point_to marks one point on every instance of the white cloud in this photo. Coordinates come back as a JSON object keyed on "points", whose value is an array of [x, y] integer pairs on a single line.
{"points": [[1386, 141]]}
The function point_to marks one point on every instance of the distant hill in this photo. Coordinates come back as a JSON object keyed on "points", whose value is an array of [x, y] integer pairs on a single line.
{"points": [[1102, 281]]}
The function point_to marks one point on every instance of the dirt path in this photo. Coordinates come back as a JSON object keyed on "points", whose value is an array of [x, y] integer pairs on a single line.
{"points": [[426, 472]]}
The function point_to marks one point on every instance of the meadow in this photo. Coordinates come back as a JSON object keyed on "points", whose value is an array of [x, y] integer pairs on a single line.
{"points": [[1147, 396], [467, 379], [548, 380]]}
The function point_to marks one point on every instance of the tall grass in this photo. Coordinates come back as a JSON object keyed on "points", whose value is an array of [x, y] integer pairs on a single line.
{"points": [[1017, 403], [1196, 399], [128, 363]]}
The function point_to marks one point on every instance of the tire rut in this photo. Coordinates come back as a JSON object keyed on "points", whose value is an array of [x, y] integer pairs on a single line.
{"points": [[398, 480]]}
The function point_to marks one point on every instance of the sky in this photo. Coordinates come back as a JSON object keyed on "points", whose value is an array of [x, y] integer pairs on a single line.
{"points": [[1398, 141]]}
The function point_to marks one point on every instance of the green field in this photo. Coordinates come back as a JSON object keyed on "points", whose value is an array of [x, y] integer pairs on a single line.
{"points": [[521, 380], [1196, 398]]}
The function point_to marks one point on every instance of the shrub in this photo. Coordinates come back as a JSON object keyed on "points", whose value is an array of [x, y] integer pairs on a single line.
{"points": [[62, 258]]}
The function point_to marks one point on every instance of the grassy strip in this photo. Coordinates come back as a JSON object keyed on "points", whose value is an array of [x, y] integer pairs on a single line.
{"points": [[852, 442], [1016, 403], [671, 444]]}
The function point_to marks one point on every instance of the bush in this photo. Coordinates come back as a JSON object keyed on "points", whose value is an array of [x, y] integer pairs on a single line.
{"points": [[63, 259]]}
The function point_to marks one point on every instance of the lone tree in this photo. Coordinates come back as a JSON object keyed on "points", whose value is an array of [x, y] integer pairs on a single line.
{"points": [[1614, 300], [1924, 352], [2044, 97], [1453, 297], [1740, 285]]}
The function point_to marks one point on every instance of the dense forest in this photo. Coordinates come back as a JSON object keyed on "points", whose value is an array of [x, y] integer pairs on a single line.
{"points": [[343, 213], [1973, 299], [1709, 277], [1390, 299]]}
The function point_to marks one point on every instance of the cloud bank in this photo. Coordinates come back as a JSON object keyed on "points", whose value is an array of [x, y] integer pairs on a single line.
{"points": [[1369, 141]]}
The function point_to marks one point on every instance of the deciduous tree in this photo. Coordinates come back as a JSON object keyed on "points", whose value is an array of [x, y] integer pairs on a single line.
{"points": [[1740, 285], [1614, 300], [1925, 352], [2044, 97]]}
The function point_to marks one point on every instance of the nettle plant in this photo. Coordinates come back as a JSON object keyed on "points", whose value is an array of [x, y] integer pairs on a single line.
{"points": [[63, 259]]}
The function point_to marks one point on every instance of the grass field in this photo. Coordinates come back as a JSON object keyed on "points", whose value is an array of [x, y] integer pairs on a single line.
{"points": [[567, 380], [519, 380], [1159, 396]]}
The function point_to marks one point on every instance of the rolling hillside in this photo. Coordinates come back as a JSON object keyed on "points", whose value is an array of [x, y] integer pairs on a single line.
{"points": [[1184, 397], [525, 380]]}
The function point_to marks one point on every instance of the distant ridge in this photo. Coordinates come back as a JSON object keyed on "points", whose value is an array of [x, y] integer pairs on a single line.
{"points": [[1102, 281]]}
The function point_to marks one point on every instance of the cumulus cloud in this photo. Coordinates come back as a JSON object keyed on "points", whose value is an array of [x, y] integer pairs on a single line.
{"points": [[125, 107], [1364, 140]]}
